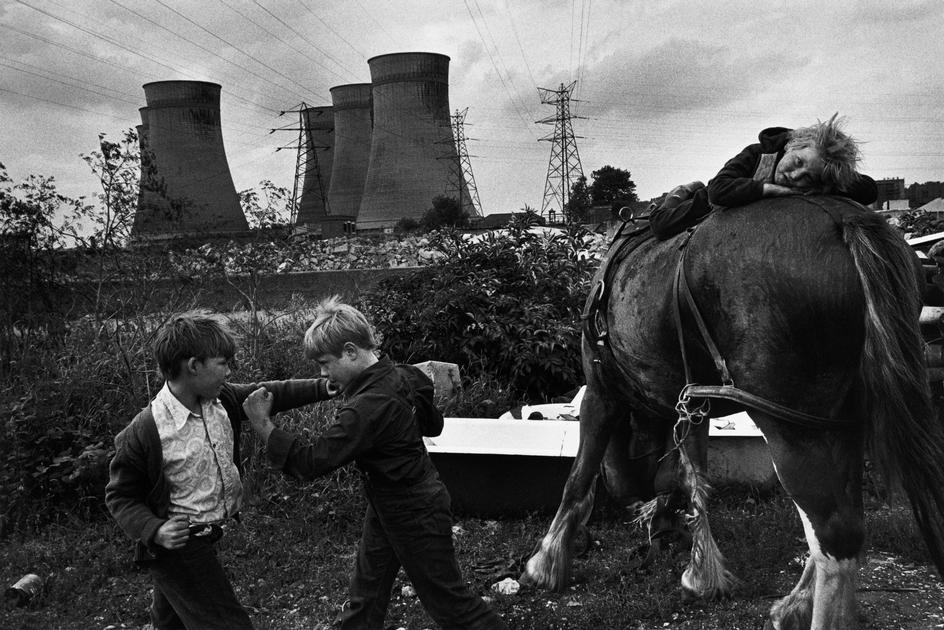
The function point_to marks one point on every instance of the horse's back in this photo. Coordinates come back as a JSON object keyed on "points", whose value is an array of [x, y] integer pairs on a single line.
{"points": [[777, 288]]}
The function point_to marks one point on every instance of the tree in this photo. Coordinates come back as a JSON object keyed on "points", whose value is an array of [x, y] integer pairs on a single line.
{"points": [[579, 204], [31, 232], [269, 207], [118, 168], [446, 211], [612, 186]]}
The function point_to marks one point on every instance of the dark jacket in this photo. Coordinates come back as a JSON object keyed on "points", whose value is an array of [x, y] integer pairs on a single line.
{"points": [[378, 427], [734, 185], [138, 495]]}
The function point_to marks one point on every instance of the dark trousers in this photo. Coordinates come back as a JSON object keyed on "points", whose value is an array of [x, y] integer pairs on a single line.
{"points": [[191, 590], [412, 528], [668, 219]]}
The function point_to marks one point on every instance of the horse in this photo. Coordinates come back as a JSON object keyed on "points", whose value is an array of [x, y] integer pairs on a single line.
{"points": [[802, 311]]}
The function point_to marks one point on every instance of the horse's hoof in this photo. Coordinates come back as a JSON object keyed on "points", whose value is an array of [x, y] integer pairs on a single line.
{"points": [[525, 579], [689, 596]]}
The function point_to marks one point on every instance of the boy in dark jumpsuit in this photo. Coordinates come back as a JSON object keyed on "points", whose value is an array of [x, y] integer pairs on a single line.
{"points": [[388, 408], [820, 158]]}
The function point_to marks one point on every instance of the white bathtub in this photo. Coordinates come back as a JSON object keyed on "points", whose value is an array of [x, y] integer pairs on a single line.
{"points": [[502, 466]]}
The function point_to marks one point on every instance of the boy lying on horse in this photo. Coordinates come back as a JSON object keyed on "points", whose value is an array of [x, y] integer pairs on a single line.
{"points": [[820, 158]]}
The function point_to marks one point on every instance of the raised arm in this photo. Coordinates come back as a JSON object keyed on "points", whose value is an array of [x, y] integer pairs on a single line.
{"points": [[287, 394], [347, 437]]}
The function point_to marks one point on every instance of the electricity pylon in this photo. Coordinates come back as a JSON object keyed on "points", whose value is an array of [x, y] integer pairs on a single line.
{"points": [[564, 166]]}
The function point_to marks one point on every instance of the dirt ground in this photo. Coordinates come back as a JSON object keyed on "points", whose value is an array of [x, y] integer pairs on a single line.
{"points": [[290, 563]]}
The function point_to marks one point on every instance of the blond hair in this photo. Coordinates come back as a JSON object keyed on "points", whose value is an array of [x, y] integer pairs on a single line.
{"points": [[336, 324], [838, 150]]}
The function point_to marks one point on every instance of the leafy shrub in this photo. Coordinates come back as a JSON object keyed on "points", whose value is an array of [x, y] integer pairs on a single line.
{"points": [[504, 305]]}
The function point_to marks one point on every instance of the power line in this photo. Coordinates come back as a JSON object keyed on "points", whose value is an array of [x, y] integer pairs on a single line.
{"points": [[275, 35], [122, 46], [71, 85], [75, 107], [197, 44], [332, 29], [310, 43], [524, 57], [498, 54], [230, 44], [495, 65], [377, 23], [124, 68]]}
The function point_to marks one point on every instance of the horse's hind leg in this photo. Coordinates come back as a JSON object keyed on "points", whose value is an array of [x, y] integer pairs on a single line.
{"points": [[822, 473], [549, 567]]}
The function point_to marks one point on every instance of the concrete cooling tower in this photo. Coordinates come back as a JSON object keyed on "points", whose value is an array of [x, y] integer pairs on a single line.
{"points": [[313, 207], [352, 131], [412, 154], [186, 187]]}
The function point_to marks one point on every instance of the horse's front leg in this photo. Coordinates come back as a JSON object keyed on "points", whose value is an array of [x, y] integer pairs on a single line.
{"points": [[549, 567]]}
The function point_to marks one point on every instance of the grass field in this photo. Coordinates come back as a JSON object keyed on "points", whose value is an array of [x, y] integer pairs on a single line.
{"points": [[290, 559]]}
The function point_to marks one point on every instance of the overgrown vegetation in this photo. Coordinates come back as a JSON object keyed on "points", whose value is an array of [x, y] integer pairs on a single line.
{"points": [[504, 305]]}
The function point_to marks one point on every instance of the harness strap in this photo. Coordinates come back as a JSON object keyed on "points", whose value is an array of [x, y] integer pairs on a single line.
{"points": [[799, 418], [682, 288], [594, 312], [727, 390]]}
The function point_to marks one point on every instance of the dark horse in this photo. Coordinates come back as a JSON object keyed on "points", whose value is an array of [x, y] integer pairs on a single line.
{"points": [[813, 305]]}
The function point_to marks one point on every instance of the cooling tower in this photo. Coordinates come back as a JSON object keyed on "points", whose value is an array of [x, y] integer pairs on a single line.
{"points": [[186, 187], [313, 208], [352, 131], [412, 154]]}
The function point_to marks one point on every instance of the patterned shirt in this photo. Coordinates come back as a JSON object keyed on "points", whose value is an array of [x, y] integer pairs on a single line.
{"points": [[198, 460]]}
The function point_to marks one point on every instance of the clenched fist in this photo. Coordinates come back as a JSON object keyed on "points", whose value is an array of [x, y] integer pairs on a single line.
{"points": [[258, 407]]}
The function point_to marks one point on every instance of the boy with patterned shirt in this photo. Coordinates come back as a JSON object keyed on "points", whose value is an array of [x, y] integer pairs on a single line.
{"points": [[175, 478]]}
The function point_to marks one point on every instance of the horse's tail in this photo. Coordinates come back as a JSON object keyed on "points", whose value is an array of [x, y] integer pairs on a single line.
{"points": [[905, 434]]}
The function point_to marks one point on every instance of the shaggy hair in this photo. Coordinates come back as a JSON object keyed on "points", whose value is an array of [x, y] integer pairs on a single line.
{"points": [[839, 151], [336, 324], [196, 334]]}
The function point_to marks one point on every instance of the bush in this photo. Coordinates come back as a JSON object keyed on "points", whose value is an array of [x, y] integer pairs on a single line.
{"points": [[504, 305]]}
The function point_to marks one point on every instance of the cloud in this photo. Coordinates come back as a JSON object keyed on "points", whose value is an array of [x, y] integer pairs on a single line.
{"points": [[881, 12], [683, 75]]}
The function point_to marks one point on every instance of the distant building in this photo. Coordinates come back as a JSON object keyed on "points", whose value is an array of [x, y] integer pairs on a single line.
{"points": [[935, 205], [920, 194], [889, 189]]}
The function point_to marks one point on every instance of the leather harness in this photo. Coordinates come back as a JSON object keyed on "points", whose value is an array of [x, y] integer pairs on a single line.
{"points": [[596, 329]]}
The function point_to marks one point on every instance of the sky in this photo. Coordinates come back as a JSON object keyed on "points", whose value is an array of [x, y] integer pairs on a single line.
{"points": [[666, 90]]}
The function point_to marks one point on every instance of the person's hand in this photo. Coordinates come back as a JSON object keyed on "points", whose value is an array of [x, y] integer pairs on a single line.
{"points": [[258, 407], [174, 533], [776, 190], [332, 389]]}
